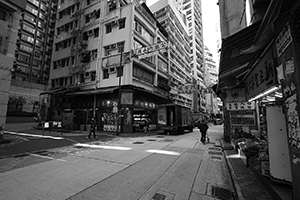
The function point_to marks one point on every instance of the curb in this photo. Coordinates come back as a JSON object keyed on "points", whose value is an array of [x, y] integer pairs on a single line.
{"points": [[237, 190]]}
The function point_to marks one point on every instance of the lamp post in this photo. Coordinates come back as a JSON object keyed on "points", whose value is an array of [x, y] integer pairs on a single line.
{"points": [[119, 96]]}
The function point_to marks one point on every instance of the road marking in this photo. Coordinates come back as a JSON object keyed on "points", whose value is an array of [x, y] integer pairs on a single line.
{"points": [[164, 152], [47, 157], [101, 147], [32, 135]]}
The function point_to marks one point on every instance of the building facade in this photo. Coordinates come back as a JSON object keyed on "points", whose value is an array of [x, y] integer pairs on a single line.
{"points": [[181, 72], [259, 67], [9, 20], [33, 54], [110, 61]]}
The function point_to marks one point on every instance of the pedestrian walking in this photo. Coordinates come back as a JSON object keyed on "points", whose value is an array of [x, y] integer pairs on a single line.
{"points": [[203, 127], [93, 128], [146, 127]]}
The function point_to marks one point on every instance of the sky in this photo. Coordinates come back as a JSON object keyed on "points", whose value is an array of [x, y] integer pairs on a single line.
{"points": [[210, 17]]}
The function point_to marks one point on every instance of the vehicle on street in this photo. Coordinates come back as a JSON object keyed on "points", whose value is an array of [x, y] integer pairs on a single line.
{"points": [[174, 119], [218, 121]]}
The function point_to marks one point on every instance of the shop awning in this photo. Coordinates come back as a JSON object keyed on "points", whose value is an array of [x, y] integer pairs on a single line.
{"points": [[57, 91], [233, 64], [91, 92]]}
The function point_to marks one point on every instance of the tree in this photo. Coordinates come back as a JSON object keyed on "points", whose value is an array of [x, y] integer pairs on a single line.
{"points": [[16, 102]]}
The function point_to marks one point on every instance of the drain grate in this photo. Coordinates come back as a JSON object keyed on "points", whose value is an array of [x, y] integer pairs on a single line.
{"points": [[222, 193], [138, 143], [214, 153], [151, 140], [158, 196], [214, 148], [216, 157]]}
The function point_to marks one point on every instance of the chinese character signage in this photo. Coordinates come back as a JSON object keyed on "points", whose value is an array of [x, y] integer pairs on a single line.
{"points": [[186, 89], [262, 77], [114, 61], [151, 48], [127, 98], [283, 40], [237, 94], [241, 106]]}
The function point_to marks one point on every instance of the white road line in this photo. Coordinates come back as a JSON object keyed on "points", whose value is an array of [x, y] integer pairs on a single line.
{"points": [[47, 157], [32, 135], [101, 147]]}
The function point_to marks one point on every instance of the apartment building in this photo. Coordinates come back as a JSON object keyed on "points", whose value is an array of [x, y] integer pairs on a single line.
{"points": [[33, 53], [181, 71], [109, 62], [9, 20], [193, 11]]}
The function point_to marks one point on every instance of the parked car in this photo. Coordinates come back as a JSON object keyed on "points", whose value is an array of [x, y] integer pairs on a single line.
{"points": [[218, 121]]}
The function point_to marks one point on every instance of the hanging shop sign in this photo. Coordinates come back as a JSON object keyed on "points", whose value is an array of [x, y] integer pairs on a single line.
{"points": [[242, 118], [114, 60], [283, 40], [151, 48], [76, 69], [147, 55], [262, 77], [241, 106], [236, 95], [127, 98]]}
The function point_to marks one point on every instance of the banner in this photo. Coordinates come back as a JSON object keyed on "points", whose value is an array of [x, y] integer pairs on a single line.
{"points": [[151, 48]]}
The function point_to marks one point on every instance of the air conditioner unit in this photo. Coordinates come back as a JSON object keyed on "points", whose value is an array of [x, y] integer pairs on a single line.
{"points": [[112, 70], [58, 62], [87, 75], [94, 55], [114, 23], [90, 32], [113, 46], [92, 14]]}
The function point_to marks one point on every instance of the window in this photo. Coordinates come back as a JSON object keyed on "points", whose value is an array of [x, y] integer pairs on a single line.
{"points": [[62, 1], [105, 74], [93, 75], [122, 23], [87, 18], [72, 60], [81, 78], [111, 5], [2, 15], [108, 28], [120, 46], [88, 2], [120, 71], [96, 32]]}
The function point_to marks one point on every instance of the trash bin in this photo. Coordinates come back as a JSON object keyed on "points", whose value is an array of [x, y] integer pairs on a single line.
{"points": [[82, 127]]}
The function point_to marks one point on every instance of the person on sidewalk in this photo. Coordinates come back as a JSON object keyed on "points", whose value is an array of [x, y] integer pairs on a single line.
{"points": [[93, 128], [146, 127], [203, 127]]}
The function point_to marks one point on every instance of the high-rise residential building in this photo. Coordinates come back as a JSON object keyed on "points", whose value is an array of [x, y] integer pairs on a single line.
{"points": [[110, 62], [211, 68], [174, 21], [33, 53], [9, 19]]}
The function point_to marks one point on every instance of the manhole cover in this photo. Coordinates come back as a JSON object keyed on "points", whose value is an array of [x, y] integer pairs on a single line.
{"points": [[158, 196], [222, 193], [151, 140], [214, 153], [138, 143], [216, 157]]}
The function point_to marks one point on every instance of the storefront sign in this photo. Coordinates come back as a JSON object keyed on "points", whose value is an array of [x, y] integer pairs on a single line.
{"points": [[114, 61], [126, 98], [162, 116], [235, 95], [147, 55], [262, 77], [151, 48], [241, 106], [283, 40]]}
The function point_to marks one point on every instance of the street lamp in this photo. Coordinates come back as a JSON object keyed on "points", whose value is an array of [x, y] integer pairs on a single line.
{"points": [[119, 95]]}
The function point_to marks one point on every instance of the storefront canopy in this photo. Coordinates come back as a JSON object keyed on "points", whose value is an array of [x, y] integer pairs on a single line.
{"points": [[234, 65], [94, 91]]}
